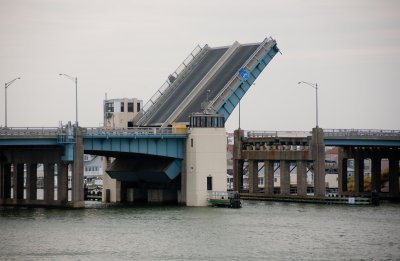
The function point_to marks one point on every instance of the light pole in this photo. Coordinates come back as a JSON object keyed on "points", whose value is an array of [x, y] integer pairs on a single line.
{"points": [[317, 177], [74, 79], [315, 86], [6, 85]]}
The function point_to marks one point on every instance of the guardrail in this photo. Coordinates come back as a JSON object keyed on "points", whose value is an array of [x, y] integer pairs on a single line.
{"points": [[360, 132], [282, 134], [249, 65], [129, 131], [174, 75], [51, 132], [30, 131]]}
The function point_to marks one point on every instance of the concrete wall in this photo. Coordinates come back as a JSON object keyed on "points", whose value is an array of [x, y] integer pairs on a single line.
{"points": [[205, 157]]}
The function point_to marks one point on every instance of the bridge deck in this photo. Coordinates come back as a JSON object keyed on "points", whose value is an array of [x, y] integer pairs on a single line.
{"points": [[218, 81], [209, 82], [186, 86]]}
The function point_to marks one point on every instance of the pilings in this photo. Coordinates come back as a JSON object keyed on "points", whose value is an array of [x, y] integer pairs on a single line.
{"points": [[19, 176], [279, 153], [353, 176]]}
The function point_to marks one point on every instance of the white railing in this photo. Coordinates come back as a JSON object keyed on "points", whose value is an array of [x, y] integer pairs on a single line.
{"points": [[249, 65], [361, 132], [30, 131], [281, 134], [175, 75], [129, 131]]}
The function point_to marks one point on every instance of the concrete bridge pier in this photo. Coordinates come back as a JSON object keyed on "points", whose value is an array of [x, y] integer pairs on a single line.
{"points": [[318, 155], [77, 172], [253, 176], [285, 177], [342, 171], [31, 181], [301, 177], [268, 177], [237, 162], [376, 182], [394, 175], [359, 155]]}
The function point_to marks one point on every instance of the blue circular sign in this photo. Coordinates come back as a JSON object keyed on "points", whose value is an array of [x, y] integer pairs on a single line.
{"points": [[244, 74]]}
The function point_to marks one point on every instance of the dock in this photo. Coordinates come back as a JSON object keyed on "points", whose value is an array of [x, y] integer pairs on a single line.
{"points": [[343, 200]]}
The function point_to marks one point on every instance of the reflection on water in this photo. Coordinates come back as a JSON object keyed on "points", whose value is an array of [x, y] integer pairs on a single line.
{"points": [[258, 231]]}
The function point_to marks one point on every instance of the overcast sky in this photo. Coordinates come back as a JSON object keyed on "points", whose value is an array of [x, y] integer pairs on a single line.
{"points": [[128, 48]]}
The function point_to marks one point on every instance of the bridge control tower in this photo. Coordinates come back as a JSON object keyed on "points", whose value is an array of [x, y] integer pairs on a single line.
{"points": [[205, 158]]}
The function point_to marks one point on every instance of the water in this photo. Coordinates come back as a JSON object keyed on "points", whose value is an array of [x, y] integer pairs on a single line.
{"points": [[258, 231]]}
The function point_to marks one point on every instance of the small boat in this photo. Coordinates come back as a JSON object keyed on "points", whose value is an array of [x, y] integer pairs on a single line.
{"points": [[229, 199]]}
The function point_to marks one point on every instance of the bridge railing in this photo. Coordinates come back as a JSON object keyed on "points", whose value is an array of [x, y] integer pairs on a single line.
{"points": [[361, 132], [250, 63], [143, 131], [270, 134], [170, 80], [30, 131]]}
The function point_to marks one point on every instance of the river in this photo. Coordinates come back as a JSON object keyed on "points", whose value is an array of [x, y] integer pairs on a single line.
{"points": [[257, 231]]}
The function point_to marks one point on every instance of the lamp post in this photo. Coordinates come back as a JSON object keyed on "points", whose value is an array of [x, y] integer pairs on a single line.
{"points": [[6, 85], [318, 180], [315, 86], [74, 79]]}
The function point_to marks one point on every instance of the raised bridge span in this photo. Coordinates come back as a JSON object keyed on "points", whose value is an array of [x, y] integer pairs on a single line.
{"points": [[211, 80]]}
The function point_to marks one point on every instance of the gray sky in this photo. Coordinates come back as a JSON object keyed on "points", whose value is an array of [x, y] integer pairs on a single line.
{"points": [[128, 48]]}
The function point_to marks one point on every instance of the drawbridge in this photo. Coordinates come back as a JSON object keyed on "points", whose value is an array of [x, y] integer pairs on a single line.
{"points": [[210, 80]]}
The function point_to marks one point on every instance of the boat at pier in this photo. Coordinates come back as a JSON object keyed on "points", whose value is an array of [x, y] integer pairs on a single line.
{"points": [[229, 199]]}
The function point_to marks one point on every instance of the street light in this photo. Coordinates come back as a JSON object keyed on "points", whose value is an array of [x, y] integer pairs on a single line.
{"points": [[315, 86], [6, 85], [74, 79]]}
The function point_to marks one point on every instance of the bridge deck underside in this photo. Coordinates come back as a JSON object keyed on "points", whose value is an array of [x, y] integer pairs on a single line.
{"points": [[142, 168], [166, 147]]}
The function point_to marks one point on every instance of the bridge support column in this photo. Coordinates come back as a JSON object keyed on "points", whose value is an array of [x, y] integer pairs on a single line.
{"points": [[269, 177], [31, 181], [7, 181], [318, 154], [1, 182], [48, 183], [394, 176], [237, 161], [342, 171], [62, 183], [77, 172], [376, 174], [110, 184], [358, 173], [285, 177], [237, 175], [301, 178], [253, 176], [18, 182]]}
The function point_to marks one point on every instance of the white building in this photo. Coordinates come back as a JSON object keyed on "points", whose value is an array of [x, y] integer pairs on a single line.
{"points": [[119, 113]]}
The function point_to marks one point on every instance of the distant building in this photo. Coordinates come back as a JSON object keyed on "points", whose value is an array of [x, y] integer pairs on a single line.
{"points": [[119, 113], [93, 170]]}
